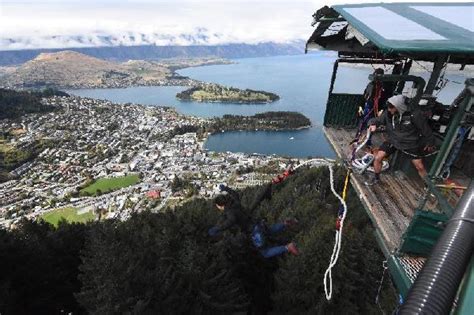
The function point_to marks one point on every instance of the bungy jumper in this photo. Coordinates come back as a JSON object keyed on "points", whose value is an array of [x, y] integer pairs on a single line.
{"points": [[425, 228], [341, 215]]}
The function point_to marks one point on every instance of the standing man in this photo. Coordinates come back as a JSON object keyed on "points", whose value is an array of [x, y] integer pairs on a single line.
{"points": [[376, 94], [407, 131]]}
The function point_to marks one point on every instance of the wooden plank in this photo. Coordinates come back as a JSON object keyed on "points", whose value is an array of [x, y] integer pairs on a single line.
{"points": [[378, 218], [339, 139], [391, 208], [414, 187], [401, 195]]}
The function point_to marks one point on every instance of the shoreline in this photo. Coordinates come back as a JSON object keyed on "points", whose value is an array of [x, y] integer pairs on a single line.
{"points": [[256, 130], [183, 82], [74, 88], [174, 79], [225, 102]]}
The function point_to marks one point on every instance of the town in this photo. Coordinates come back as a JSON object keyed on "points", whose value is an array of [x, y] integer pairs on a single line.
{"points": [[110, 160]]}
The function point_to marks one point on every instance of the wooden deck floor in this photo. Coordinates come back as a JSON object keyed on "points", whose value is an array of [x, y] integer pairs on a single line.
{"points": [[390, 204]]}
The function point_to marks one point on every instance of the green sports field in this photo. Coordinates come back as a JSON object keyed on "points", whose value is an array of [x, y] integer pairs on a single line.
{"points": [[69, 214], [109, 184]]}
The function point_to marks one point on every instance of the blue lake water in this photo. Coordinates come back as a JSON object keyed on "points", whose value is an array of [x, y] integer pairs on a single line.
{"points": [[301, 81]]}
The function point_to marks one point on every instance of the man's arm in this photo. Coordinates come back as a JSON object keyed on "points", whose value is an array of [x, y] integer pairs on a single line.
{"points": [[380, 120], [421, 124], [377, 121], [227, 222]]}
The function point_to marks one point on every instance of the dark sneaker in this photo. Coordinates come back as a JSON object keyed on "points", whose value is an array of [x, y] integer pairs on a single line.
{"points": [[372, 181], [291, 247], [290, 222]]}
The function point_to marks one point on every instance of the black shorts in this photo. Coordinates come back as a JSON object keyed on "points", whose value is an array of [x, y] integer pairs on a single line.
{"points": [[413, 154]]}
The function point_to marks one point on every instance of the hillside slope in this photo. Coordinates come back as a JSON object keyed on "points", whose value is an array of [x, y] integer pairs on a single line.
{"points": [[167, 263], [69, 69]]}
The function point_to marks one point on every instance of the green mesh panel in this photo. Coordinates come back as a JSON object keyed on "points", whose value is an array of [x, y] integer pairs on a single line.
{"points": [[423, 232], [341, 110]]}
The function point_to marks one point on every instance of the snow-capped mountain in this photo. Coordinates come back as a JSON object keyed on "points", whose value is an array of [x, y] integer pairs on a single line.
{"points": [[197, 36], [153, 29]]}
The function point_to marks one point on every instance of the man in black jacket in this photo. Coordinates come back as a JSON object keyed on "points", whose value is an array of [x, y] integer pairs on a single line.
{"points": [[407, 131], [232, 212], [233, 215]]}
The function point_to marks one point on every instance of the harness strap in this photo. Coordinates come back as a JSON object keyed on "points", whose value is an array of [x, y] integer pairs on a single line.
{"points": [[420, 156], [377, 97]]}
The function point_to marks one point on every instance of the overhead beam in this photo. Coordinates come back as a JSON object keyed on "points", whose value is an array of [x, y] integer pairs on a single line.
{"points": [[438, 65]]}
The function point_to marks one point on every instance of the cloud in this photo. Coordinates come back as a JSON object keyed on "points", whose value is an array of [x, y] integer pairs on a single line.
{"points": [[88, 23], [85, 24]]}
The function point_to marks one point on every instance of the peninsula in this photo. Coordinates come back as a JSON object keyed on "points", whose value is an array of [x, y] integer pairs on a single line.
{"points": [[73, 70], [263, 121], [211, 92], [267, 121]]}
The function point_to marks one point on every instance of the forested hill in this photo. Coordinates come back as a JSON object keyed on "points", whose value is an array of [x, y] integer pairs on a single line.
{"points": [[16, 103], [261, 121], [165, 263], [211, 92]]}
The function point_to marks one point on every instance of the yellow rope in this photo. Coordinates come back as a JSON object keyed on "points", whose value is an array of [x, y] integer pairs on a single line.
{"points": [[346, 184]]}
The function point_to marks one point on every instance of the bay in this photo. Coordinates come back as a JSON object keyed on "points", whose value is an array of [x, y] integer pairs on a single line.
{"points": [[302, 82]]}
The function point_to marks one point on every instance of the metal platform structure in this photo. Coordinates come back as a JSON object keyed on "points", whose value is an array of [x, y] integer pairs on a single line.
{"points": [[409, 214]]}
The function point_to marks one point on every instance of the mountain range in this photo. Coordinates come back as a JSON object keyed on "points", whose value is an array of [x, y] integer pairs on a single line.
{"points": [[153, 52]]}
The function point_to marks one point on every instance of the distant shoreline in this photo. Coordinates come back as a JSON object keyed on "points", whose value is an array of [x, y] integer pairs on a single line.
{"points": [[68, 70], [265, 130]]}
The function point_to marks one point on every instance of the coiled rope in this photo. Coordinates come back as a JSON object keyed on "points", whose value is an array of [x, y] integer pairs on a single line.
{"points": [[338, 236], [339, 222]]}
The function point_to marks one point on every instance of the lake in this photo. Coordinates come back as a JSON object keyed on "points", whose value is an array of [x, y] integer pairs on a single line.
{"points": [[302, 82]]}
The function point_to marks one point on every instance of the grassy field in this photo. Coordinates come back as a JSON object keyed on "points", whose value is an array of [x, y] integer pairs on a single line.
{"points": [[69, 214], [109, 184]]}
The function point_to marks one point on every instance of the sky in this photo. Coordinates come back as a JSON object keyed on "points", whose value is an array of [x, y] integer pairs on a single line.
{"points": [[86, 23]]}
